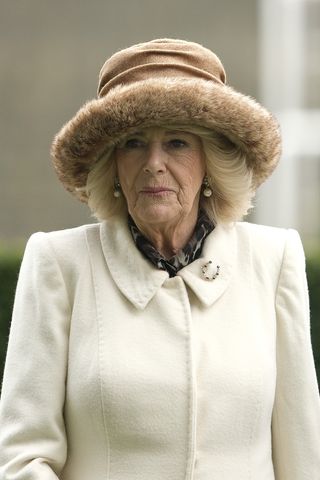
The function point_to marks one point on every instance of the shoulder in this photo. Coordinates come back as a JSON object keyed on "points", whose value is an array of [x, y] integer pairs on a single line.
{"points": [[64, 247], [271, 238], [63, 240], [261, 233], [268, 245]]}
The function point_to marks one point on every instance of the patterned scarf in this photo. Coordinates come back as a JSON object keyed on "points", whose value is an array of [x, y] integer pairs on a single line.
{"points": [[190, 252]]}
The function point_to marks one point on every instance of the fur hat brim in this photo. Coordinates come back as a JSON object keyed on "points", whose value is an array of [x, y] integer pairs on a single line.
{"points": [[102, 122]]}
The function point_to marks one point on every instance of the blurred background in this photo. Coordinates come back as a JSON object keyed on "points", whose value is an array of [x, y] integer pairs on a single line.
{"points": [[50, 56]]}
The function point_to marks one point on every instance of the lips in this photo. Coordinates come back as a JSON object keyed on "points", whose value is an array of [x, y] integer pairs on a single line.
{"points": [[156, 190]]}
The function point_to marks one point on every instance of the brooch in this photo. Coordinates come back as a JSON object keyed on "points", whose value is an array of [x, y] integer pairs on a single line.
{"points": [[209, 271]]}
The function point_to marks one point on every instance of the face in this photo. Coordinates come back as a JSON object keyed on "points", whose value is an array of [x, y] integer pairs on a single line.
{"points": [[161, 172]]}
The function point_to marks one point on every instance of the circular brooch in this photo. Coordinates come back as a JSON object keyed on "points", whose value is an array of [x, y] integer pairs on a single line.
{"points": [[209, 271]]}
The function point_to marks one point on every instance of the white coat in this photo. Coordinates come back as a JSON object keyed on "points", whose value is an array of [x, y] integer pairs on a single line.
{"points": [[116, 372]]}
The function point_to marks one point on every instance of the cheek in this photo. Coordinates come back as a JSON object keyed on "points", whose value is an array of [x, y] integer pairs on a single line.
{"points": [[191, 176], [190, 189], [128, 191], [127, 174]]}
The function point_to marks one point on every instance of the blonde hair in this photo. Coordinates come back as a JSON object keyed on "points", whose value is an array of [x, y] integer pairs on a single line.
{"points": [[229, 177]]}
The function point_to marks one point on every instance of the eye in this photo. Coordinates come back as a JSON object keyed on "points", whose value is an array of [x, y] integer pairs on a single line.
{"points": [[132, 144], [177, 143]]}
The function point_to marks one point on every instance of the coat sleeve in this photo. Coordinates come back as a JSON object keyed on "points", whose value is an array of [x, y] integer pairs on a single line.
{"points": [[32, 432], [296, 413]]}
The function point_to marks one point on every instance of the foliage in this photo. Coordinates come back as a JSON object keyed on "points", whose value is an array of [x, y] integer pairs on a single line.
{"points": [[9, 268], [313, 274]]}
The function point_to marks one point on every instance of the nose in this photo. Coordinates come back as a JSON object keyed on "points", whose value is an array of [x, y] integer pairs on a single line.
{"points": [[155, 159]]}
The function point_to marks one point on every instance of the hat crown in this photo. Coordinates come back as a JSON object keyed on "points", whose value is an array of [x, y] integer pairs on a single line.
{"points": [[161, 58], [158, 83]]}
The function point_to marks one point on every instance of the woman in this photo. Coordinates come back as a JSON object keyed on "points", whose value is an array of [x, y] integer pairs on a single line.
{"points": [[170, 341]]}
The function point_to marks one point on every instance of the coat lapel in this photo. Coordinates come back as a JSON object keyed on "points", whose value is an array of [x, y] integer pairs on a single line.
{"points": [[220, 249], [139, 280], [134, 275]]}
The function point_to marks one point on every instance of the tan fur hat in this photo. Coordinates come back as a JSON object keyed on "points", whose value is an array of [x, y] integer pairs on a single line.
{"points": [[163, 82]]}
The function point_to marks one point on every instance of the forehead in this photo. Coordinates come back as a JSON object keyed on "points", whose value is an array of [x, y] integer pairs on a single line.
{"points": [[154, 132]]}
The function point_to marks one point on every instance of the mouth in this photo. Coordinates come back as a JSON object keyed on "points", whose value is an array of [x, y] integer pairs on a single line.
{"points": [[156, 190]]}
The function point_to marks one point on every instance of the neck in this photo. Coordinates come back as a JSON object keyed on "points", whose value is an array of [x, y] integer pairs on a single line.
{"points": [[169, 238]]}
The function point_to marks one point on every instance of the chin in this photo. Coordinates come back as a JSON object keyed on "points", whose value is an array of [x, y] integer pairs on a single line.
{"points": [[157, 214]]}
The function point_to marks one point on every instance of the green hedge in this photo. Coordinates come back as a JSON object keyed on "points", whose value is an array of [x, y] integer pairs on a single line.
{"points": [[9, 267], [313, 274]]}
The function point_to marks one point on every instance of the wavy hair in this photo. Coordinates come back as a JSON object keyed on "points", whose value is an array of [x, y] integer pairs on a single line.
{"points": [[226, 167]]}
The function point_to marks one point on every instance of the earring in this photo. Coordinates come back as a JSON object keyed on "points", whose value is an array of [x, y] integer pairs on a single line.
{"points": [[207, 190], [116, 188]]}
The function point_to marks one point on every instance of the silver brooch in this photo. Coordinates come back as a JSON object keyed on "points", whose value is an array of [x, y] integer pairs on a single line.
{"points": [[209, 271]]}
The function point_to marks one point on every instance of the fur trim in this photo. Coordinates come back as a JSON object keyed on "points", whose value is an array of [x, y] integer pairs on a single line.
{"points": [[101, 123]]}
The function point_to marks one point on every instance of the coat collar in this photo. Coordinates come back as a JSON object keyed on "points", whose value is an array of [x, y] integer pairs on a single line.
{"points": [[139, 280]]}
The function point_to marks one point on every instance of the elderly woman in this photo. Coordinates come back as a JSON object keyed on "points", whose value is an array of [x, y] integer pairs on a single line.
{"points": [[169, 341]]}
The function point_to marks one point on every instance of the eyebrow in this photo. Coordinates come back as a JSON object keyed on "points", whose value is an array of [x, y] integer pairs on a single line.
{"points": [[175, 132], [166, 132]]}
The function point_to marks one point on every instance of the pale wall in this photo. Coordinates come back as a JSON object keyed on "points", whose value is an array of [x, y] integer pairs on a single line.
{"points": [[50, 55]]}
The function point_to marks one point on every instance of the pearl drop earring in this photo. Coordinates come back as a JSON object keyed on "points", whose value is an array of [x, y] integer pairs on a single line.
{"points": [[116, 188], [207, 190]]}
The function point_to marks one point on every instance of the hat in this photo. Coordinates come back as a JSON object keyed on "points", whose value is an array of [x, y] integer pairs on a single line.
{"points": [[161, 83]]}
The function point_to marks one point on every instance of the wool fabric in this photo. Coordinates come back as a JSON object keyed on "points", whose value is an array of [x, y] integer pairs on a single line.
{"points": [[115, 371]]}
